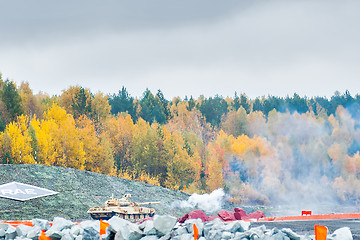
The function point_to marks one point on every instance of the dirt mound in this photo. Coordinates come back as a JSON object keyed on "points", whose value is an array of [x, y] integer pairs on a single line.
{"points": [[78, 191]]}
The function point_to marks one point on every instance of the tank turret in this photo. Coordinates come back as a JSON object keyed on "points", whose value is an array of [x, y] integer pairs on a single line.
{"points": [[124, 208]]}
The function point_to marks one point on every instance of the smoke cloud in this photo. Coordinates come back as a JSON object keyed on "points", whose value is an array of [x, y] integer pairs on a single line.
{"points": [[207, 202], [299, 160]]}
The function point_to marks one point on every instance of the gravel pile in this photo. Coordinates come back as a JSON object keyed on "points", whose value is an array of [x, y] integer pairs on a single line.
{"points": [[163, 227]]}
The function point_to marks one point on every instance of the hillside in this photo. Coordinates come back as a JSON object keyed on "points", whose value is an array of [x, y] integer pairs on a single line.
{"points": [[78, 191]]}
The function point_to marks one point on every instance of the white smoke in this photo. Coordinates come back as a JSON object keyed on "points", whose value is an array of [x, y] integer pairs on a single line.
{"points": [[207, 202]]}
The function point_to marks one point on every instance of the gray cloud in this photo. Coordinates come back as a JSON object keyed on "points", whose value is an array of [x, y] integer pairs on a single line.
{"points": [[184, 47]]}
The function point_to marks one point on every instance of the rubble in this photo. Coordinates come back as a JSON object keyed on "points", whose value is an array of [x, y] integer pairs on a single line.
{"points": [[224, 215], [162, 227]]}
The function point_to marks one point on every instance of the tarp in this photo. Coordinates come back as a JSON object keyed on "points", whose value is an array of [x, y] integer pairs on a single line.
{"points": [[23, 192]]}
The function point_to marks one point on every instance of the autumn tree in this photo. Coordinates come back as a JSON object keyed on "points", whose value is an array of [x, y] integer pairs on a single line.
{"points": [[59, 140], [181, 168], [77, 101], [29, 102], [119, 133], [101, 108], [185, 121], [10, 101], [21, 150], [146, 148], [5, 148], [235, 123], [214, 169], [98, 157]]}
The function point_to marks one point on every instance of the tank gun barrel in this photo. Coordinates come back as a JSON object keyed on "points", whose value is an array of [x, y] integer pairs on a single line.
{"points": [[147, 203]]}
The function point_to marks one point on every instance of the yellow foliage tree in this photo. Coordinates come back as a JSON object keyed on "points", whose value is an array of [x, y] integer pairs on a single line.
{"points": [[29, 102], [181, 168], [59, 139], [98, 156], [20, 141], [119, 133], [101, 107], [214, 170]]}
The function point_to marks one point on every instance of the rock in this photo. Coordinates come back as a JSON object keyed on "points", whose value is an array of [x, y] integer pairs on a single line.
{"points": [[147, 219], [277, 236], [4, 226], [161, 228], [213, 227], [2, 232], [10, 233], [89, 229], [237, 226], [257, 232], [150, 237], [213, 234], [133, 232], [215, 224], [34, 233], [226, 235], [22, 230], [242, 235], [164, 224], [43, 224], [59, 224], [149, 228], [90, 223], [210, 218], [306, 237], [116, 224], [124, 229], [198, 214], [342, 234], [90, 233], [256, 215], [66, 235], [184, 218], [118, 236], [226, 215], [240, 214], [54, 234], [199, 224], [80, 237], [291, 234], [181, 231], [165, 237], [186, 236], [76, 230]]}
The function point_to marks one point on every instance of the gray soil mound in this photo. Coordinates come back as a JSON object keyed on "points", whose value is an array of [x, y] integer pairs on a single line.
{"points": [[78, 191]]}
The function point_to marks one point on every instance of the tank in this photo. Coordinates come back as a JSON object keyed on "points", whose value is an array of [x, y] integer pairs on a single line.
{"points": [[123, 208]]}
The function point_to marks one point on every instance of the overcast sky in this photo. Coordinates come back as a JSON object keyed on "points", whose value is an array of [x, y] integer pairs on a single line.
{"points": [[183, 47]]}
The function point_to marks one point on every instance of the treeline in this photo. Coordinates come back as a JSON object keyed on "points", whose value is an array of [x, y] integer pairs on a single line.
{"points": [[156, 108], [249, 147]]}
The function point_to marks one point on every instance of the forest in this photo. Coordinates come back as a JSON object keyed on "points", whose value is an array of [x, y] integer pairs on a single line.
{"points": [[260, 150]]}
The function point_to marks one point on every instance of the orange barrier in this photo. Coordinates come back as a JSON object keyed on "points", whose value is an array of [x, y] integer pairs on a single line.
{"points": [[17, 223], [320, 232], [305, 213], [313, 217], [24, 222]]}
